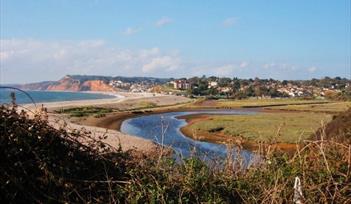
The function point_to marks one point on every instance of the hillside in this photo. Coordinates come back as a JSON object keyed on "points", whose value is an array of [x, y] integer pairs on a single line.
{"points": [[70, 84], [87, 83]]}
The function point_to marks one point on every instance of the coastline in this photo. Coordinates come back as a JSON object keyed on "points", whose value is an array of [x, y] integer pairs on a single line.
{"points": [[65, 101], [113, 121], [110, 124], [111, 137], [118, 97]]}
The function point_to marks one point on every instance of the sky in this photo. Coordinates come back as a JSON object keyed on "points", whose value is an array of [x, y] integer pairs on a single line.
{"points": [[282, 39]]}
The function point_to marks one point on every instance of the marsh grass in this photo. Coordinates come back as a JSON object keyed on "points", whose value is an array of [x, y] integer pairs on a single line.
{"points": [[333, 107], [254, 102], [86, 111], [146, 104], [262, 126]]}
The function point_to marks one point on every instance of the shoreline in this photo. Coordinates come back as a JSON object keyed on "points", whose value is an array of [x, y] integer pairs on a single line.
{"points": [[106, 96], [110, 124], [114, 120], [111, 137], [118, 97]]}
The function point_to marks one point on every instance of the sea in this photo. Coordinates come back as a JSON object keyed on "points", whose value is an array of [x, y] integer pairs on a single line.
{"points": [[48, 96]]}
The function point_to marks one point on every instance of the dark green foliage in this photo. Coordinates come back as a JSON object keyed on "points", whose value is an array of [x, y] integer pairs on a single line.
{"points": [[42, 164], [216, 129], [86, 111]]}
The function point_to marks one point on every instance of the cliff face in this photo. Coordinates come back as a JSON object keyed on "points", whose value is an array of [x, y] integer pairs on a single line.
{"points": [[68, 83], [96, 85], [65, 84]]}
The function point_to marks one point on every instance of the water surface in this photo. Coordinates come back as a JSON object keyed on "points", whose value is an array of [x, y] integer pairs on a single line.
{"points": [[49, 96], [165, 129]]}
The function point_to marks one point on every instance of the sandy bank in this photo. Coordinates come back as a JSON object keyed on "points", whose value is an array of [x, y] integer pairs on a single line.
{"points": [[114, 137], [110, 124], [119, 97]]}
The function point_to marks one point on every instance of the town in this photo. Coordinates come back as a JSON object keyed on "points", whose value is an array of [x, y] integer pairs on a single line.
{"points": [[224, 87]]}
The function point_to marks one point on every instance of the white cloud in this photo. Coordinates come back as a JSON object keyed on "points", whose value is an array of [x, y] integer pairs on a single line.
{"points": [[161, 63], [29, 60], [163, 21], [131, 31], [229, 22], [225, 70], [243, 64], [279, 66], [34, 60], [269, 65], [221, 69], [312, 69]]}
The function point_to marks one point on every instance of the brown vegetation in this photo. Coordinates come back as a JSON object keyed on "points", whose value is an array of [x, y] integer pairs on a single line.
{"points": [[338, 129], [41, 164]]}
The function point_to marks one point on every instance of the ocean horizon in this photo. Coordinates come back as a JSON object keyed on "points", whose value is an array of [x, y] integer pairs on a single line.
{"points": [[49, 96]]}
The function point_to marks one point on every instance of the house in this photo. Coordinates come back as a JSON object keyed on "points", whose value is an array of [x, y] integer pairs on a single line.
{"points": [[119, 84], [181, 84], [225, 89], [212, 84]]}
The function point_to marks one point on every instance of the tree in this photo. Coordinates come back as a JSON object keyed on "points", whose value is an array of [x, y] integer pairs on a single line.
{"points": [[250, 91], [224, 81], [236, 85]]}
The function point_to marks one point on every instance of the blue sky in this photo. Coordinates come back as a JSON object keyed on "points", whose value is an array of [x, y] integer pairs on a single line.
{"points": [[44, 40]]}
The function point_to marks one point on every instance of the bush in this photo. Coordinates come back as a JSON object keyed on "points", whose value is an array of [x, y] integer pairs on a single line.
{"points": [[42, 164]]}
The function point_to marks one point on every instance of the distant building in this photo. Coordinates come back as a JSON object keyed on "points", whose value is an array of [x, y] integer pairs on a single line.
{"points": [[212, 84], [119, 84], [225, 89], [181, 84]]}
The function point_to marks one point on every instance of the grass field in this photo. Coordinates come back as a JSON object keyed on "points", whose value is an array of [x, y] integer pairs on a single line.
{"points": [[328, 107], [252, 102], [265, 102], [278, 127]]}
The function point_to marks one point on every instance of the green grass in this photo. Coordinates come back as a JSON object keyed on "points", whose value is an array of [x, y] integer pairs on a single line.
{"points": [[86, 111], [279, 127], [329, 107], [146, 104], [264, 102]]}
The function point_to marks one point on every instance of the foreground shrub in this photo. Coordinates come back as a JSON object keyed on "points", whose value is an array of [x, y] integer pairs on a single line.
{"points": [[42, 164]]}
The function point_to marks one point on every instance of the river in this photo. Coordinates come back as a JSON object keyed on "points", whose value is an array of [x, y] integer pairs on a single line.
{"points": [[165, 129]]}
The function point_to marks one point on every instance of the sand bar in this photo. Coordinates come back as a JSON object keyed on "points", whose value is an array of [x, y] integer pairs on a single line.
{"points": [[123, 100]]}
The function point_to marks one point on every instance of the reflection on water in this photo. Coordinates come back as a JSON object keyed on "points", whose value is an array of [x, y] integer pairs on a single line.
{"points": [[165, 129]]}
